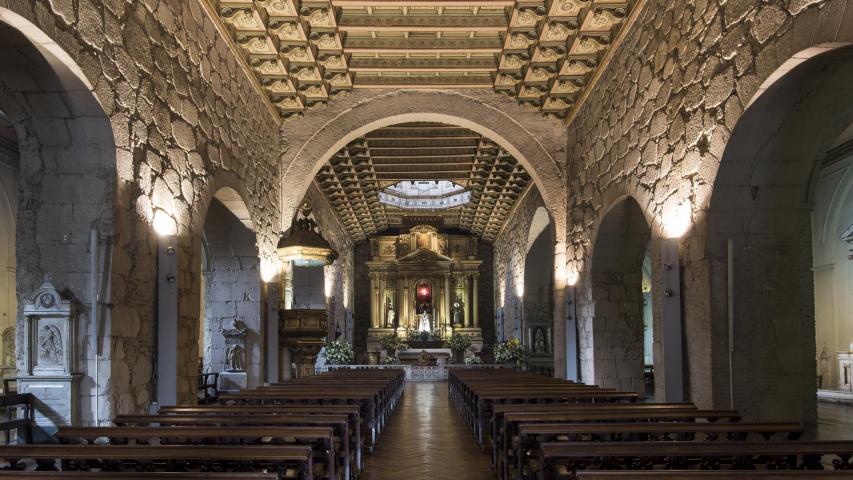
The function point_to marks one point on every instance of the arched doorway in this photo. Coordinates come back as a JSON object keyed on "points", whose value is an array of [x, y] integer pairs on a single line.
{"points": [[759, 240], [232, 299], [612, 343], [538, 295], [60, 212]]}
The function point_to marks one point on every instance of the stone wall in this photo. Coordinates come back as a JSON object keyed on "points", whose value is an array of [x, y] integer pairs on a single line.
{"points": [[163, 113], [656, 126], [232, 291], [510, 251], [485, 294]]}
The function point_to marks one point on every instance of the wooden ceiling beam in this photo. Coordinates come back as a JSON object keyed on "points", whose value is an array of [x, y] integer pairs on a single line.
{"points": [[437, 23], [423, 3]]}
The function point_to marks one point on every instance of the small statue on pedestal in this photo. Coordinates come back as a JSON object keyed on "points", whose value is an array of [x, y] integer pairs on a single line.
{"points": [[234, 356]]}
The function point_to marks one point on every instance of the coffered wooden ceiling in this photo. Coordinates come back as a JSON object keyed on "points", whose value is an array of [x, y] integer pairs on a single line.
{"points": [[353, 178], [543, 52]]}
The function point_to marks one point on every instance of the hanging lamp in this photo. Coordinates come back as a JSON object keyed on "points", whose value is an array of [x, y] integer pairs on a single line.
{"points": [[304, 246]]}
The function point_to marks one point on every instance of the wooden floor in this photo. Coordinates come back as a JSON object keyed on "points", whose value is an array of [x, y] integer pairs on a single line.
{"points": [[426, 440]]}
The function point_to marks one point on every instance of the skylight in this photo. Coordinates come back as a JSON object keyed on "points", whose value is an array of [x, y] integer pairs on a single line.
{"points": [[425, 195]]}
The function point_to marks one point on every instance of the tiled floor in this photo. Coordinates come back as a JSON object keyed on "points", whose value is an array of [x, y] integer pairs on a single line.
{"points": [[834, 421], [426, 440]]}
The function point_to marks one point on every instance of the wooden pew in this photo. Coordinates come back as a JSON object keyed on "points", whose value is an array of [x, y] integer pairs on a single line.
{"points": [[320, 439], [530, 436], [715, 475], [498, 412], [141, 475], [560, 460], [286, 460], [352, 412], [338, 423]]}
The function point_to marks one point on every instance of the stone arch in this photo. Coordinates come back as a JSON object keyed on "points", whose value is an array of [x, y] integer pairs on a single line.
{"points": [[231, 285], [611, 327], [760, 202], [66, 190], [538, 295], [302, 162]]}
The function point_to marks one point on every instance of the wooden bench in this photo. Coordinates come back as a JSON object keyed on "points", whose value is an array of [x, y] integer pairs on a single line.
{"points": [[530, 436], [289, 461], [20, 415], [141, 475], [562, 460], [714, 474], [320, 439], [352, 412]]}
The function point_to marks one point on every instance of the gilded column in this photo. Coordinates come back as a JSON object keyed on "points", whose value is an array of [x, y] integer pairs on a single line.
{"points": [[466, 292], [382, 282], [475, 285]]}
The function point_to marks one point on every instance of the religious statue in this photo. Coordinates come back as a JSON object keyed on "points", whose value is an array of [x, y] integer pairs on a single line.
{"points": [[234, 356], [424, 322], [539, 341], [458, 312], [442, 246], [390, 315], [50, 345]]}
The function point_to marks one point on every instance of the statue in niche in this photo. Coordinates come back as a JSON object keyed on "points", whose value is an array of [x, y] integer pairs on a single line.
{"points": [[234, 356], [458, 312], [9, 347], [442, 246], [424, 322], [391, 317], [50, 345], [539, 344], [823, 367]]}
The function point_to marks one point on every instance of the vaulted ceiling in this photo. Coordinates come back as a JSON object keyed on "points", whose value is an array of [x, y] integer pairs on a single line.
{"points": [[353, 178], [543, 52]]}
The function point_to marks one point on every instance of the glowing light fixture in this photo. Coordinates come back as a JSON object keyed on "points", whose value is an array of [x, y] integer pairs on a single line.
{"points": [[676, 220], [164, 224], [304, 246], [270, 268], [572, 278]]}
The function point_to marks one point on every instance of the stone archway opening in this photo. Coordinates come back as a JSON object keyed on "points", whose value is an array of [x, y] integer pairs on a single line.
{"points": [[230, 325], [58, 183], [612, 341], [538, 296], [760, 221]]}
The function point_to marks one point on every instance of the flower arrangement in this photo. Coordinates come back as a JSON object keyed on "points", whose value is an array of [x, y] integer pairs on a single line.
{"points": [[473, 361], [392, 345], [459, 342], [510, 352], [339, 352]]}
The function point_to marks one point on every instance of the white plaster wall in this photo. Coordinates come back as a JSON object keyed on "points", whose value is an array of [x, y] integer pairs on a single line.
{"points": [[833, 270]]}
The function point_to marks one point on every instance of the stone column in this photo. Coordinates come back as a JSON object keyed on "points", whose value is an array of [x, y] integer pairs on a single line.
{"points": [[447, 316], [560, 334], [475, 285]]}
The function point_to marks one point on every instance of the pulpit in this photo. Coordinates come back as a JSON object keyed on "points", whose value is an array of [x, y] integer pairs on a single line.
{"points": [[304, 332]]}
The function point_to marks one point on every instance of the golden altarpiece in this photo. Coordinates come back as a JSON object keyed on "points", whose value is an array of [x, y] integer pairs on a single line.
{"points": [[424, 284]]}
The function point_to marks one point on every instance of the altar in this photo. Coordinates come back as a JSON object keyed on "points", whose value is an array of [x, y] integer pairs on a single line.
{"points": [[424, 285], [442, 356]]}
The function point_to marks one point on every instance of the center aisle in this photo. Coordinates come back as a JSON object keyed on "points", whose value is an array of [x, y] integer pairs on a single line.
{"points": [[426, 439]]}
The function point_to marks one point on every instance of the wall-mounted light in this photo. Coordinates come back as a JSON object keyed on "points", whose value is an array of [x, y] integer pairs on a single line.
{"points": [[676, 220], [164, 224], [519, 289], [270, 269]]}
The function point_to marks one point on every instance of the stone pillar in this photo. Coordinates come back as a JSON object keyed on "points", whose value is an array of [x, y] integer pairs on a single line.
{"points": [[447, 316], [286, 299], [560, 337], [475, 285]]}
